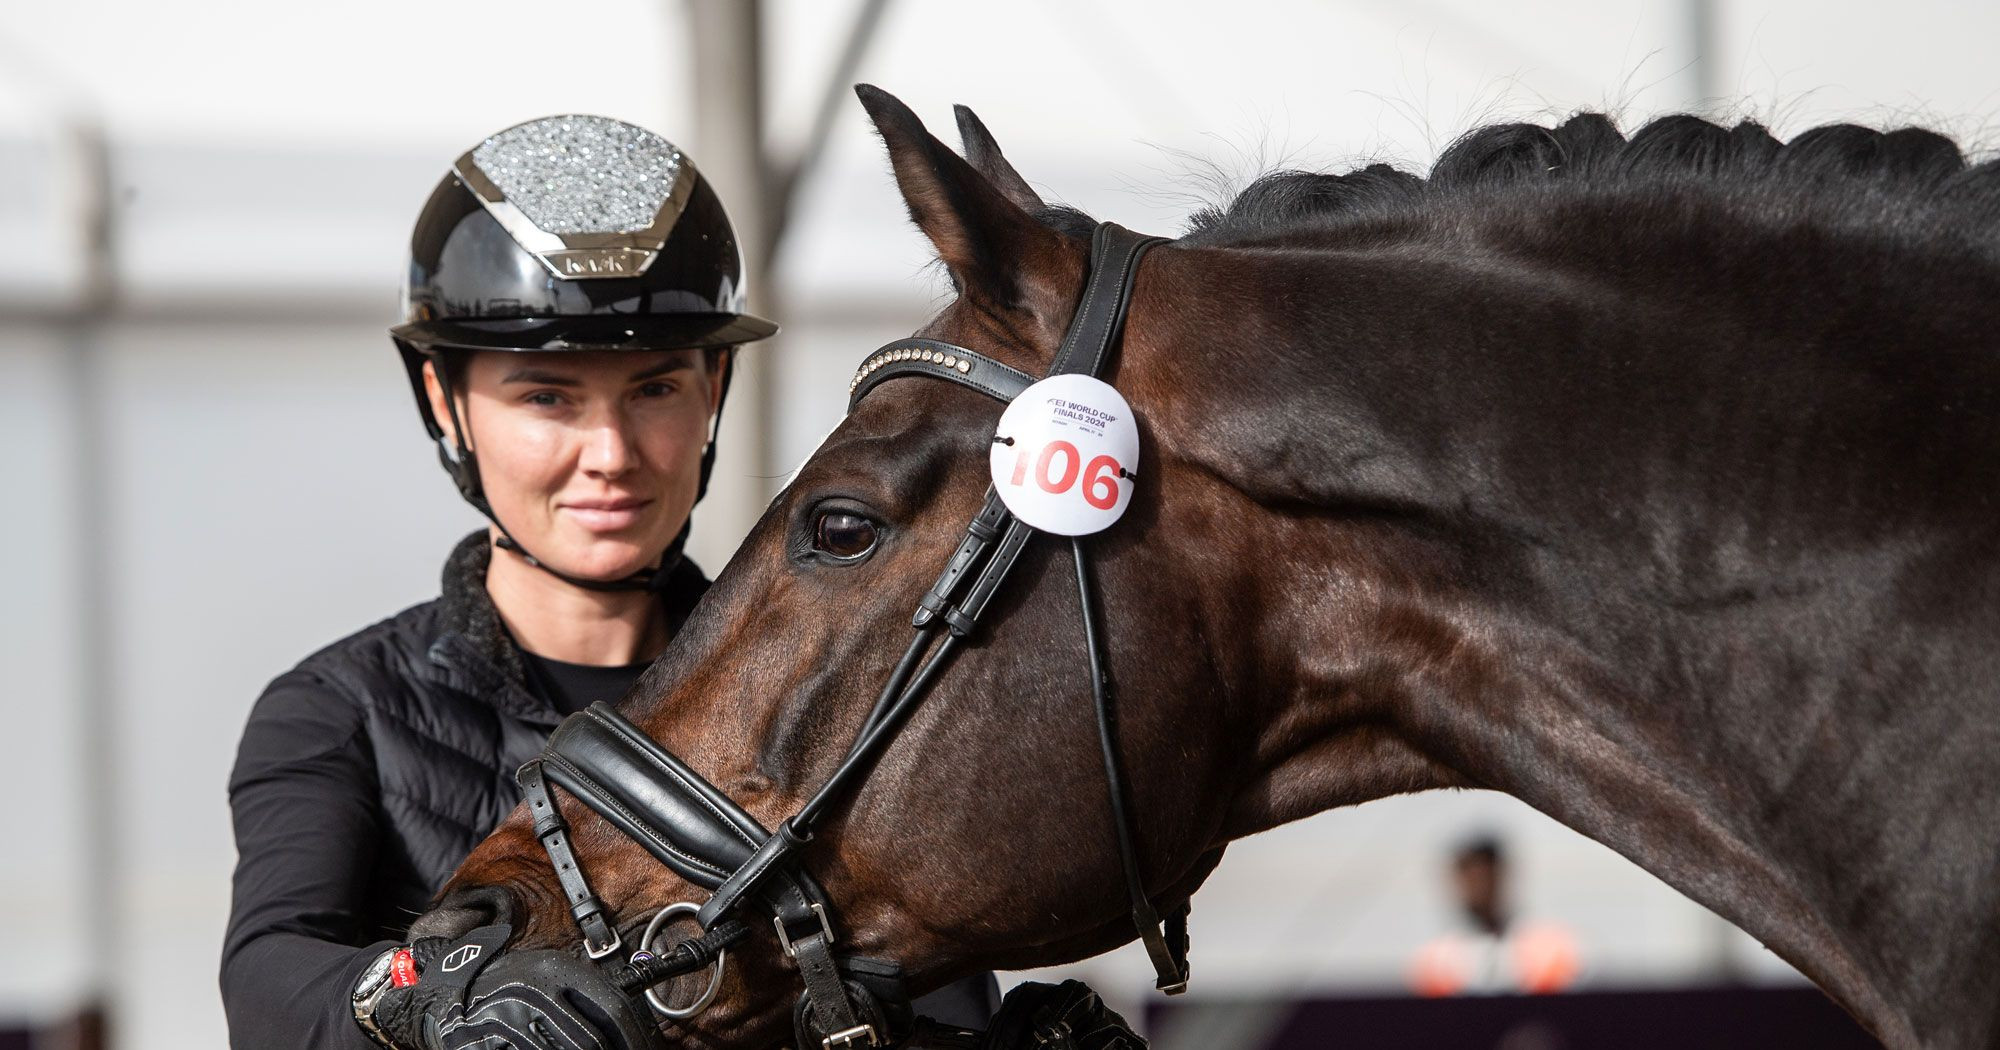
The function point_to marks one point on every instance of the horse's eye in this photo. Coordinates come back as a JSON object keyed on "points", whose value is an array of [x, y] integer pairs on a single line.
{"points": [[844, 535]]}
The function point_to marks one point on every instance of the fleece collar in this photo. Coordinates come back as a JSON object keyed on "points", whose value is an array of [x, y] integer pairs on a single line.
{"points": [[476, 644]]}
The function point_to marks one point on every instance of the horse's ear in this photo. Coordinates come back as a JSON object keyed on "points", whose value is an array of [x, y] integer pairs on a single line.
{"points": [[984, 153], [992, 246]]}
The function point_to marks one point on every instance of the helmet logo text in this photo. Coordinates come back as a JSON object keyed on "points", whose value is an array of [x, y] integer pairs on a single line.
{"points": [[583, 263]]}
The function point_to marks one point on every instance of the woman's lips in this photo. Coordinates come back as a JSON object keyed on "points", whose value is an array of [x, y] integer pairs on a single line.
{"points": [[608, 515]]}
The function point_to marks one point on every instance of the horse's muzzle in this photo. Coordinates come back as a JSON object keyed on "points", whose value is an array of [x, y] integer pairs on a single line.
{"points": [[463, 911]]}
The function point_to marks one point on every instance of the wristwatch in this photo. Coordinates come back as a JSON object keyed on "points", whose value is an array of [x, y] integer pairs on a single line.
{"points": [[367, 992]]}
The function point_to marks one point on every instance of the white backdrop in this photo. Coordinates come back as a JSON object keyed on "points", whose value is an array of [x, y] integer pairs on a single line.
{"points": [[265, 488]]}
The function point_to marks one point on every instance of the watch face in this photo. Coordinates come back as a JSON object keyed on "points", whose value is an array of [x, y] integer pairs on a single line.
{"points": [[373, 978]]}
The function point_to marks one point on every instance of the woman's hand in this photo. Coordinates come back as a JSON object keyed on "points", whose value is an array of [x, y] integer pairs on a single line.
{"points": [[470, 994]]}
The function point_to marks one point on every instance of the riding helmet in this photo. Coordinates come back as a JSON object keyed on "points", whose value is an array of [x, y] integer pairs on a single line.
{"points": [[569, 233]]}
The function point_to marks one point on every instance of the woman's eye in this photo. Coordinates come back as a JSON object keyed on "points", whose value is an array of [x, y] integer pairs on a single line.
{"points": [[843, 535], [545, 398]]}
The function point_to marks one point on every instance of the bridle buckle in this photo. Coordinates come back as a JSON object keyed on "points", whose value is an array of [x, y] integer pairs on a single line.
{"points": [[861, 1034], [825, 927], [599, 951]]}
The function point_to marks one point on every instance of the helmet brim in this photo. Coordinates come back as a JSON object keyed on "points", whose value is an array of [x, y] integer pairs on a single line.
{"points": [[594, 333]]}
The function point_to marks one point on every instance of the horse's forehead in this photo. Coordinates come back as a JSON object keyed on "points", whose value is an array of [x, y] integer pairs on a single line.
{"points": [[994, 332], [903, 431]]}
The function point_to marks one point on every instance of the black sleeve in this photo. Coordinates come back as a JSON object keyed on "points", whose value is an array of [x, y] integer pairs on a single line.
{"points": [[303, 800]]}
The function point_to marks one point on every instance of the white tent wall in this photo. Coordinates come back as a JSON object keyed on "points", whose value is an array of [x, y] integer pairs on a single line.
{"points": [[224, 472]]}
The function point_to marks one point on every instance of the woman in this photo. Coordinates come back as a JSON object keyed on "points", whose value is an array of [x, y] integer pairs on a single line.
{"points": [[573, 301]]}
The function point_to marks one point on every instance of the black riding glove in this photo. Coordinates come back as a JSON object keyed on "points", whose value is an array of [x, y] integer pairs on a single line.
{"points": [[469, 995], [445, 970], [547, 1000], [1068, 1016]]}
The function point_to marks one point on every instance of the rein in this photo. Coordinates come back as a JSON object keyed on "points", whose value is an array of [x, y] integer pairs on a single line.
{"points": [[694, 829]]}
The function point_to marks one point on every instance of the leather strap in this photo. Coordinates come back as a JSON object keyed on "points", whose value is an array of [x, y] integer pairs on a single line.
{"points": [[871, 746], [671, 811], [826, 994], [599, 937], [985, 527], [1168, 954], [652, 797], [1100, 317], [905, 667], [941, 360], [966, 615], [750, 875]]}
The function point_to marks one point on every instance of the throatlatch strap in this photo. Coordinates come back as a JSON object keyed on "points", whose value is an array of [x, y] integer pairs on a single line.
{"points": [[1169, 965], [599, 937]]}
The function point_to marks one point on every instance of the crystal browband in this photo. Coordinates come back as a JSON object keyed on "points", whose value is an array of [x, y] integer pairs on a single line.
{"points": [[909, 353]]}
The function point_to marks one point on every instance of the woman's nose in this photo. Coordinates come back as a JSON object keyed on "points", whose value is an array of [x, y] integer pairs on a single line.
{"points": [[607, 451]]}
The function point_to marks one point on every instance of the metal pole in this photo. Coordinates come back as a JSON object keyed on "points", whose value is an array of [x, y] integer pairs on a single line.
{"points": [[837, 92], [86, 157], [727, 89], [83, 184], [1704, 71]]}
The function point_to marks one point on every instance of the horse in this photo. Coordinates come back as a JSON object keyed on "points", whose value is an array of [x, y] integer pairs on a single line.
{"points": [[1649, 479]]}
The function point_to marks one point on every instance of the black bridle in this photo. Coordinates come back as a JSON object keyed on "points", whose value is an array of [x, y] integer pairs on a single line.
{"points": [[698, 832]]}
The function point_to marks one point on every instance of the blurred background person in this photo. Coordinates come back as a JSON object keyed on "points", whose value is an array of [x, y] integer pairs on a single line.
{"points": [[1490, 951]]}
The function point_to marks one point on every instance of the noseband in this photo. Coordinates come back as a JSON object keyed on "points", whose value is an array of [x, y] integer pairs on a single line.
{"points": [[687, 824]]}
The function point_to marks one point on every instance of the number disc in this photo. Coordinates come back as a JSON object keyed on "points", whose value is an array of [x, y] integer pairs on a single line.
{"points": [[1065, 455]]}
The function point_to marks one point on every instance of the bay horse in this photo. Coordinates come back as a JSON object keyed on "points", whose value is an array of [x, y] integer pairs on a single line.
{"points": [[1650, 480]]}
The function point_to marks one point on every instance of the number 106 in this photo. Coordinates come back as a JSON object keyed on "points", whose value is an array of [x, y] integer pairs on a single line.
{"points": [[1100, 477]]}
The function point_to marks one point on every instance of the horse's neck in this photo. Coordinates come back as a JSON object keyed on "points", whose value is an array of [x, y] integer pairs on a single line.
{"points": [[1648, 595]]}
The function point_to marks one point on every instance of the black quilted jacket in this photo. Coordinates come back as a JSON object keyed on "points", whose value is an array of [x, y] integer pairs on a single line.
{"points": [[364, 776]]}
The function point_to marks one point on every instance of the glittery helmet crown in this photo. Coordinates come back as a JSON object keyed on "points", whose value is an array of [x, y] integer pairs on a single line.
{"points": [[569, 233], [575, 233]]}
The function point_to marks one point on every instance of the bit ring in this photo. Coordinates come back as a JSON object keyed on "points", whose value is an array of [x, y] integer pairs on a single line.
{"points": [[654, 996]]}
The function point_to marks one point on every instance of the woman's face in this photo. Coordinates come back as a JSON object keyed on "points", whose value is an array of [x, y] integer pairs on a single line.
{"points": [[591, 460]]}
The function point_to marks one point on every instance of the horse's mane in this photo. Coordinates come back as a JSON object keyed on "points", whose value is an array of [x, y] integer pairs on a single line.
{"points": [[1835, 163], [1845, 278]]}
